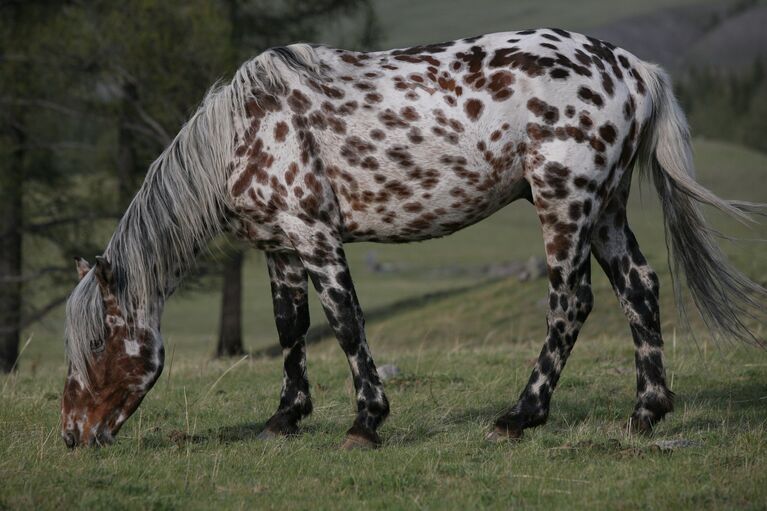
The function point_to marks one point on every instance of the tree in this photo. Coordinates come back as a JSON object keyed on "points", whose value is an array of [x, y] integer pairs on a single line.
{"points": [[25, 150], [230, 323], [72, 121]]}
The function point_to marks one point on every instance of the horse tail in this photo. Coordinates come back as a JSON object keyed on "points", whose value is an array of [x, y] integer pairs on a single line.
{"points": [[725, 297]]}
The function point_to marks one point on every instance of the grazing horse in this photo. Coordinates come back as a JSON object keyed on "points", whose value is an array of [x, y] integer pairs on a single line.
{"points": [[310, 147]]}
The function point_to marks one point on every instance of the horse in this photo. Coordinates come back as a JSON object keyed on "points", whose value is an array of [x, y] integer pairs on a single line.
{"points": [[310, 147]]}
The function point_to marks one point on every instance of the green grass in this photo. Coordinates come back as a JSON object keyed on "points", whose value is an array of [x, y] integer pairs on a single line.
{"points": [[433, 457], [464, 356]]}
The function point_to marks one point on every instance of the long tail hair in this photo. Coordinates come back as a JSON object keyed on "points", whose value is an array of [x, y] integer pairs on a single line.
{"points": [[725, 297]]}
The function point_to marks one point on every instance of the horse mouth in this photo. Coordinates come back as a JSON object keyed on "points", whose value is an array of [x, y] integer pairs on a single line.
{"points": [[100, 436]]}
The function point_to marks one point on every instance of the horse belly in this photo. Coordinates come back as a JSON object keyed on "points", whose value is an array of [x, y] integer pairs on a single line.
{"points": [[415, 192]]}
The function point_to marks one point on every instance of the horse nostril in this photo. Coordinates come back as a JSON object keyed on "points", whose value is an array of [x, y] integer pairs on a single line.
{"points": [[69, 439]]}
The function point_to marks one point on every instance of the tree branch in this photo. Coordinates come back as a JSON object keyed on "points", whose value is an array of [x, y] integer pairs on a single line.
{"points": [[165, 139], [38, 314]]}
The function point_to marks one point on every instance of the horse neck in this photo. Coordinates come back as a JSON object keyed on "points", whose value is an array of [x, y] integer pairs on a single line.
{"points": [[179, 208]]}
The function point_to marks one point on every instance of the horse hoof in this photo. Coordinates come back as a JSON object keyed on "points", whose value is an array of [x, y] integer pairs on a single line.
{"points": [[498, 435], [354, 442], [635, 426]]}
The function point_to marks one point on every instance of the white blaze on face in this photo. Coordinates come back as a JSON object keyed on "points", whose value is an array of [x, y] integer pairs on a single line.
{"points": [[132, 347]]}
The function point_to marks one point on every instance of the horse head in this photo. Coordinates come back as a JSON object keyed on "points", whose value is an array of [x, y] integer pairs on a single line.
{"points": [[115, 356]]}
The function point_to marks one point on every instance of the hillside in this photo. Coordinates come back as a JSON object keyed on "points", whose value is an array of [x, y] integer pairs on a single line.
{"points": [[726, 36], [679, 34]]}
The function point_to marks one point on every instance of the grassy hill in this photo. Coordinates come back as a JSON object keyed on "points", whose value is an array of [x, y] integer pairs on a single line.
{"points": [[407, 23], [678, 34]]}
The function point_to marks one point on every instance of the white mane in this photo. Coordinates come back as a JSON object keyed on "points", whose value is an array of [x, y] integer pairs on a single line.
{"points": [[181, 205]]}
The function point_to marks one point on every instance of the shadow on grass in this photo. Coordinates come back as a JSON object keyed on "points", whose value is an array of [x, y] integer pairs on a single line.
{"points": [[723, 401], [244, 432], [226, 434], [717, 401]]}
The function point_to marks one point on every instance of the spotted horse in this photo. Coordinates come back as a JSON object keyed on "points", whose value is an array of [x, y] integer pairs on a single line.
{"points": [[311, 147]]}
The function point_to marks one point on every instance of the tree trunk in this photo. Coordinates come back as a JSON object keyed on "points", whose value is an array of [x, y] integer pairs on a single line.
{"points": [[10, 251], [230, 328], [126, 150]]}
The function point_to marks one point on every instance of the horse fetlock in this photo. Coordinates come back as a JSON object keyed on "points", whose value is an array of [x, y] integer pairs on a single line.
{"points": [[360, 436], [285, 421], [650, 409], [521, 417]]}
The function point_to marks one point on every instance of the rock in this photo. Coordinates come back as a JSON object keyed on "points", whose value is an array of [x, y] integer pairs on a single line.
{"points": [[536, 268], [388, 371]]}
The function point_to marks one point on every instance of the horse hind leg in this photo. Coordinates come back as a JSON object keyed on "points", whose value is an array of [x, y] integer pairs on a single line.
{"points": [[637, 287], [291, 313], [567, 220]]}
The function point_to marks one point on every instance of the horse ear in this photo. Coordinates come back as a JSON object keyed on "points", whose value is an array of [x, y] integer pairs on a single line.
{"points": [[104, 273], [83, 267]]}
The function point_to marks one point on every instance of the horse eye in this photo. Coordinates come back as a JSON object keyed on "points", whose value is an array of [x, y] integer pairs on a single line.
{"points": [[97, 345]]}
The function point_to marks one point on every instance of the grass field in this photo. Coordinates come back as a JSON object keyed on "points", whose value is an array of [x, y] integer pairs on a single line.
{"points": [[464, 356]]}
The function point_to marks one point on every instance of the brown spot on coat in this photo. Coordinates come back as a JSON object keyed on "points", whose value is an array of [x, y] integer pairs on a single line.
{"points": [[540, 108], [280, 131], [298, 102], [473, 108], [589, 96]]}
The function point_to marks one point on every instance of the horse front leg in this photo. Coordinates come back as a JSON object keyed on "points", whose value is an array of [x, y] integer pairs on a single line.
{"points": [[289, 284], [324, 259], [567, 223]]}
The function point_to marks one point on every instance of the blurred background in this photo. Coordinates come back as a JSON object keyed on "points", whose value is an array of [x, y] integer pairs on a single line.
{"points": [[91, 93]]}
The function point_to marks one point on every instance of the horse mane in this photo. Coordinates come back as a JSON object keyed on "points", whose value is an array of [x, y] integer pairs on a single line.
{"points": [[181, 205]]}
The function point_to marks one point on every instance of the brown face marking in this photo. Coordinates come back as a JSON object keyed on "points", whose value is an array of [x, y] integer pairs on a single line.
{"points": [[126, 364]]}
